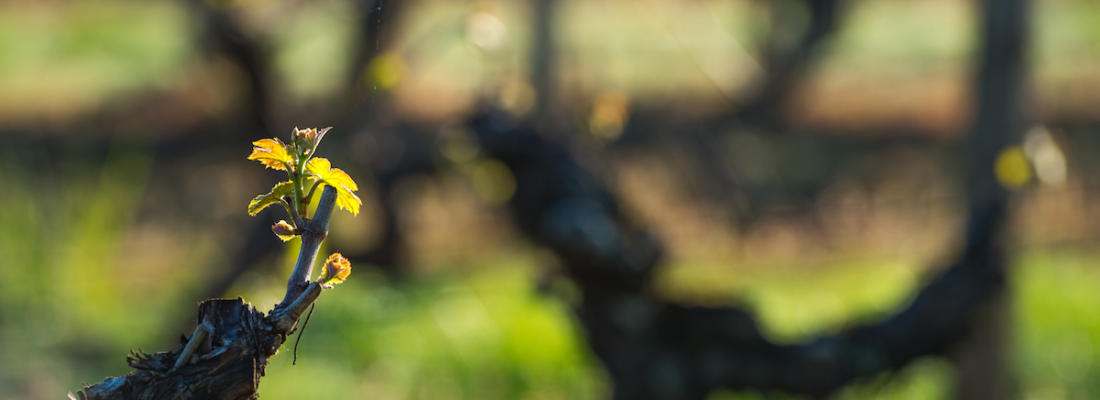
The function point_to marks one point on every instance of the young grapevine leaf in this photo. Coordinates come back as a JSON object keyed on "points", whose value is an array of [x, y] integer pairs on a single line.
{"points": [[271, 153], [338, 179], [277, 193], [337, 268]]}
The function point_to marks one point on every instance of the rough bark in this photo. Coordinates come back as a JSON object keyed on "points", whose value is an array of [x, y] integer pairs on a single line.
{"points": [[227, 355]]}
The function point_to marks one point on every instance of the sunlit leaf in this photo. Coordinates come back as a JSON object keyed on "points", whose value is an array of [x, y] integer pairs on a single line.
{"points": [[318, 166], [336, 270], [337, 178], [271, 153], [283, 230], [273, 197]]}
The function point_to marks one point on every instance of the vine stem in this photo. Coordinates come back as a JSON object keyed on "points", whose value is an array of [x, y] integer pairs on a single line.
{"points": [[314, 232]]}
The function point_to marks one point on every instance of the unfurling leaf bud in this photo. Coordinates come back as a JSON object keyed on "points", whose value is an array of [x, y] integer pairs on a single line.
{"points": [[284, 231], [337, 268], [308, 139]]}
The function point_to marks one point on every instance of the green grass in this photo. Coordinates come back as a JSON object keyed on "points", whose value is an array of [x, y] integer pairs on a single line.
{"points": [[1057, 320], [482, 336], [487, 335]]}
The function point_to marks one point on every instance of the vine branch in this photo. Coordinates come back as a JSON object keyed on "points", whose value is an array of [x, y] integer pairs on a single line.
{"points": [[314, 232], [227, 355]]}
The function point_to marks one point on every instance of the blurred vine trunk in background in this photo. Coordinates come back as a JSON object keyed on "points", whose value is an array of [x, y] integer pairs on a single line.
{"points": [[786, 63], [222, 34], [1000, 120], [654, 348], [543, 57]]}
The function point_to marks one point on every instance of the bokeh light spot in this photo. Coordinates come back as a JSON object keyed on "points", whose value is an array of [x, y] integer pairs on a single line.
{"points": [[458, 144], [1011, 168], [387, 70], [609, 112], [494, 182], [517, 96], [485, 30], [1046, 156]]}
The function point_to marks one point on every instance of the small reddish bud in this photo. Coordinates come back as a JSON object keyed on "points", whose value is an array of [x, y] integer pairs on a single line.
{"points": [[284, 231]]}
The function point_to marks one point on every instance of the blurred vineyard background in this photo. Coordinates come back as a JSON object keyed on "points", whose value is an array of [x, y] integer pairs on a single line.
{"points": [[123, 185]]}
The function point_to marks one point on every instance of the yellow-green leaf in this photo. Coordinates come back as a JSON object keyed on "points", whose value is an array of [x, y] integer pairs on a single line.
{"points": [[271, 153], [338, 179], [264, 200], [318, 166], [336, 270]]}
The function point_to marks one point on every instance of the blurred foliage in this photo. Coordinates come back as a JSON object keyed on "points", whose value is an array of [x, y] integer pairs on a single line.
{"points": [[891, 61], [486, 335], [61, 60], [73, 307], [81, 286], [91, 267], [1057, 324]]}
